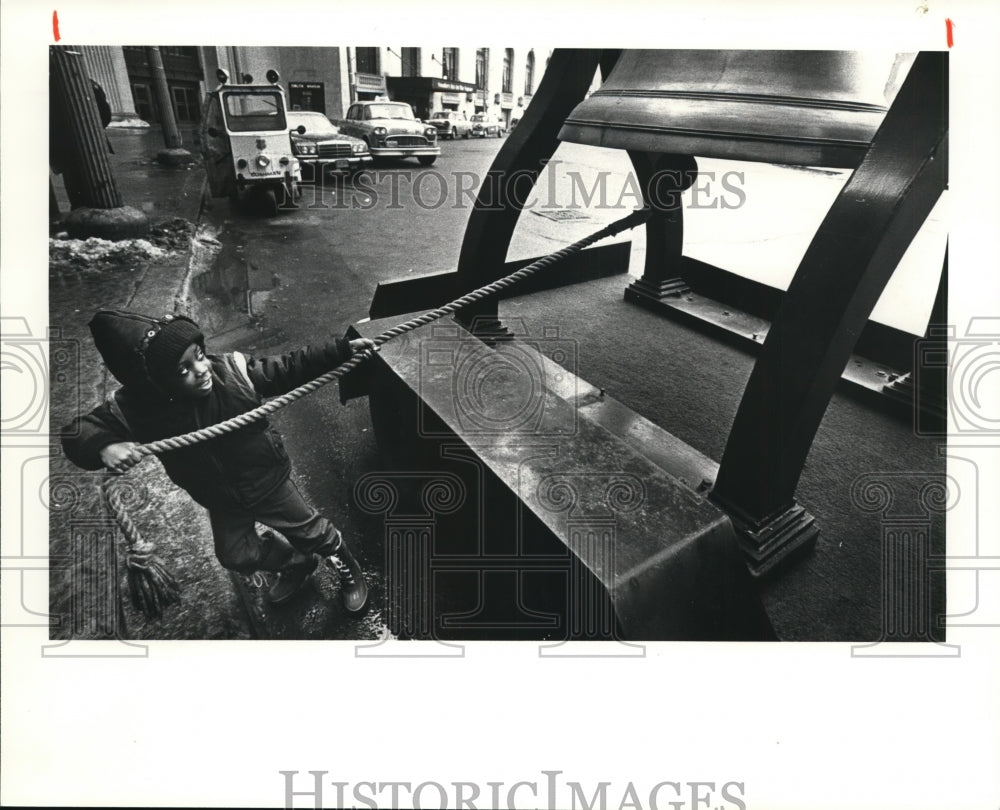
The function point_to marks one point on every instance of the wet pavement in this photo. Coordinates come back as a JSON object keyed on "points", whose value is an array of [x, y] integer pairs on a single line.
{"points": [[145, 276], [225, 293]]}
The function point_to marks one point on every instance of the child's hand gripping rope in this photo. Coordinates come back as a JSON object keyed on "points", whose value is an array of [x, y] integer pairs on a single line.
{"points": [[150, 584]]}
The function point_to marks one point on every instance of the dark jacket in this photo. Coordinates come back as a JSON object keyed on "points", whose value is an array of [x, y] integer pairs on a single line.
{"points": [[233, 471]]}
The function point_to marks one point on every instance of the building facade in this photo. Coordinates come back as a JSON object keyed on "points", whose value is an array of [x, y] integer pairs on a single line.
{"points": [[496, 81]]}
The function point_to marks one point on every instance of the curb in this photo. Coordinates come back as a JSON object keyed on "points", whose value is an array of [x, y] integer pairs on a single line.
{"points": [[210, 600]]}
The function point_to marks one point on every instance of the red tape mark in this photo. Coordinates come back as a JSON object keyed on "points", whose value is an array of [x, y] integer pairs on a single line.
{"points": [[950, 27], [55, 25]]}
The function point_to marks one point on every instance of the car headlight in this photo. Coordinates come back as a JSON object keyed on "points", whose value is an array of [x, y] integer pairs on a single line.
{"points": [[359, 147], [263, 161], [431, 132], [380, 131], [305, 148]]}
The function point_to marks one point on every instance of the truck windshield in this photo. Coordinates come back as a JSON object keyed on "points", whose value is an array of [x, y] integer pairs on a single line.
{"points": [[255, 112]]}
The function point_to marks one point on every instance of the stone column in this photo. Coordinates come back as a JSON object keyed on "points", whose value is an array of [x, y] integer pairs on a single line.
{"points": [[78, 149], [105, 64]]}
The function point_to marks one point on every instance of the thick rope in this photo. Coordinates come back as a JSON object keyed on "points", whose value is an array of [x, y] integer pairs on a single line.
{"points": [[269, 407], [150, 584]]}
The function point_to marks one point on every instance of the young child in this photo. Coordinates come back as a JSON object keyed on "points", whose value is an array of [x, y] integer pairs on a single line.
{"points": [[171, 386]]}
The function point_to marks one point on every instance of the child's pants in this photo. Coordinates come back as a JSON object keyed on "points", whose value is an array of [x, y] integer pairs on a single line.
{"points": [[240, 548]]}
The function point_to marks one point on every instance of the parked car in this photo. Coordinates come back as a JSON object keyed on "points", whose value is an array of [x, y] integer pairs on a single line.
{"points": [[391, 130], [485, 125], [450, 124], [323, 148]]}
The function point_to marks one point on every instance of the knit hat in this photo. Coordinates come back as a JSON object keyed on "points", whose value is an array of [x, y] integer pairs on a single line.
{"points": [[139, 350], [163, 351]]}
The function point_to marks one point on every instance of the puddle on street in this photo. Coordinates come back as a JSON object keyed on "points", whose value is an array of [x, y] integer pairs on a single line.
{"points": [[233, 291]]}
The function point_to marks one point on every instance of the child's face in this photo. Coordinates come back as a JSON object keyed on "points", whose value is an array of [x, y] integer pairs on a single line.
{"points": [[193, 377]]}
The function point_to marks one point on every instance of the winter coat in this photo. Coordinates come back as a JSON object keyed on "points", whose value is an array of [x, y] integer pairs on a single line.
{"points": [[237, 470]]}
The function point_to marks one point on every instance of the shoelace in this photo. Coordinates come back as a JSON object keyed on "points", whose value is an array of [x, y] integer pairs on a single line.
{"points": [[257, 579], [342, 569]]}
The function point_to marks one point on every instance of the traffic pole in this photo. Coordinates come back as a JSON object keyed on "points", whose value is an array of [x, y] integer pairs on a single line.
{"points": [[174, 154]]}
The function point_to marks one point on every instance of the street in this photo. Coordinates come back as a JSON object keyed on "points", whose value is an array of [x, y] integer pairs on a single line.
{"points": [[306, 275]]}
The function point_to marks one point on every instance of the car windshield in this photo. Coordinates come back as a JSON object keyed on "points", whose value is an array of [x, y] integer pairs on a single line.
{"points": [[315, 123], [441, 115], [478, 118], [254, 112], [398, 111]]}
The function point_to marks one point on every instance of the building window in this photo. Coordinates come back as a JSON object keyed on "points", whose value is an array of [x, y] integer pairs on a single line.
{"points": [[482, 68], [366, 60], [185, 52], [529, 74], [508, 61], [185, 102], [142, 98], [449, 63], [310, 96], [411, 61]]}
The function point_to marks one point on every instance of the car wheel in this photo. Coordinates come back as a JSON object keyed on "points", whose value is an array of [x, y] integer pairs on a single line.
{"points": [[426, 160], [452, 134], [468, 133]]}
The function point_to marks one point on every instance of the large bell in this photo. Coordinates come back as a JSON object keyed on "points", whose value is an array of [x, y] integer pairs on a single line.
{"points": [[807, 108]]}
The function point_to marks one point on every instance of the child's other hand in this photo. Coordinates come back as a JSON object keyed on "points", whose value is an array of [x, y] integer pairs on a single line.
{"points": [[362, 344], [120, 457]]}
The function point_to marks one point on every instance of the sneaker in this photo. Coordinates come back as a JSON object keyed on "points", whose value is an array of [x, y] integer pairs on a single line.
{"points": [[353, 590], [292, 577]]}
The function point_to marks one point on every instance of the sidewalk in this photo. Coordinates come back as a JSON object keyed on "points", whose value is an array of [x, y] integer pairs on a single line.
{"points": [[154, 277], [150, 278]]}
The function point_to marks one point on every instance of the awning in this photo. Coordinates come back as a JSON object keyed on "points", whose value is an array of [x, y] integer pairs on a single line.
{"points": [[427, 84]]}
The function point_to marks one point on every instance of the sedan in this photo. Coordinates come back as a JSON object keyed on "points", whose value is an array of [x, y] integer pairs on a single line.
{"points": [[321, 147], [392, 131], [484, 125], [450, 124]]}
